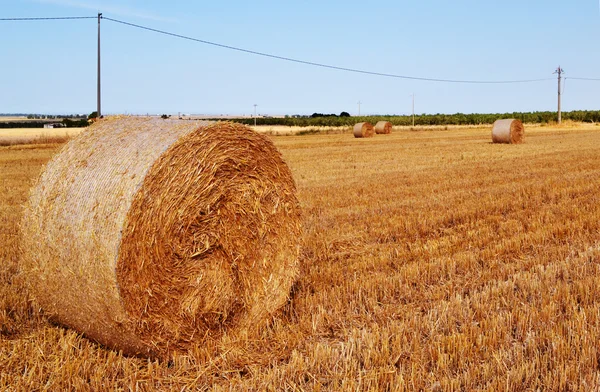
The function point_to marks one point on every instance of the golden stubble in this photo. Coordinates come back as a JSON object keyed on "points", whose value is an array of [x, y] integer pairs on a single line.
{"points": [[431, 260]]}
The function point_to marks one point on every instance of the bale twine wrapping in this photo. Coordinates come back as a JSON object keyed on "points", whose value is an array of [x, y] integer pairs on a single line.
{"points": [[363, 129], [507, 131], [150, 235], [383, 127]]}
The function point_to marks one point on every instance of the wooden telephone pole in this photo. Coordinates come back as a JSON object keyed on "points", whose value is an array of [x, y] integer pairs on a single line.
{"points": [[559, 71], [98, 90]]}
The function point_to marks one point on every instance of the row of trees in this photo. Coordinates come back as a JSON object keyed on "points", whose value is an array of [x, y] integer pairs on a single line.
{"points": [[68, 123], [344, 119], [315, 115], [54, 117], [332, 120]]}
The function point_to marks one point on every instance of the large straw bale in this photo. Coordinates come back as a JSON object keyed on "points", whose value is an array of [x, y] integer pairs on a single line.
{"points": [[507, 131], [363, 129], [383, 127], [151, 235]]}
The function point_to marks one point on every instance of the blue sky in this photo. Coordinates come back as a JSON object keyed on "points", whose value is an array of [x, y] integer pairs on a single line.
{"points": [[50, 66]]}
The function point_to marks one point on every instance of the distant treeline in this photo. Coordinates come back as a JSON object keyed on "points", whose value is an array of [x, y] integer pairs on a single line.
{"points": [[425, 119], [35, 116], [68, 123], [55, 116]]}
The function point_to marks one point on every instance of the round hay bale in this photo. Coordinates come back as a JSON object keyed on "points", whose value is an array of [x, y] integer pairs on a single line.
{"points": [[508, 131], [383, 127], [363, 129], [151, 235]]}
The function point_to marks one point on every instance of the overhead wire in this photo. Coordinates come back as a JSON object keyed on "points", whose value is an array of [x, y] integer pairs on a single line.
{"points": [[50, 18], [290, 59], [588, 79], [355, 70]]}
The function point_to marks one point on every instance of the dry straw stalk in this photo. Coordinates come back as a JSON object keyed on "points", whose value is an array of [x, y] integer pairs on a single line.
{"points": [[363, 129], [383, 127], [152, 235], [508, 131]]}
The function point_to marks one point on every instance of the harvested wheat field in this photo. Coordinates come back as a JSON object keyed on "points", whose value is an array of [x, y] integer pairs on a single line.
{"points": [[430, 260], [13, 136]]}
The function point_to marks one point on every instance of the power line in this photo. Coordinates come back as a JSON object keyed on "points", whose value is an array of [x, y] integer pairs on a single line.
{"points": [[292, 59], [49, 18], [323, 65], [590, 79]]}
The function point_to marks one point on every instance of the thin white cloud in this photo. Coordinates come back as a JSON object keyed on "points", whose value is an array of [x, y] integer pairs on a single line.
{"points": [[104, 7]]}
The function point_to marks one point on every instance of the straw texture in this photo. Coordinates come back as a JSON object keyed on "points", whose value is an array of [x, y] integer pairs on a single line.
{"points": [[363, 129], [383, 127], [151, 235], [508, 131]]}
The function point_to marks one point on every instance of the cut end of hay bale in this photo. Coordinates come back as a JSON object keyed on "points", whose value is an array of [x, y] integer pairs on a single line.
{"points": [[383, 127], [170, 234], [363, 129], [509, 131]]}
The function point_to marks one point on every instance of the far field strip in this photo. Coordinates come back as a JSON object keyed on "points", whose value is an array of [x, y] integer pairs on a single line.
{"points": [[34, 133]]}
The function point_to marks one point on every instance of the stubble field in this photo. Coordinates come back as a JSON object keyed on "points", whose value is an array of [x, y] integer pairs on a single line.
{"points": [[431, 260], [14, 136]]}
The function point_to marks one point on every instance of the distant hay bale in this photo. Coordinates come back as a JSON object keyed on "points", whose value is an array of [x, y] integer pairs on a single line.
{"points": [[363, 129], [151, 235], [383, 127], [508, 131]]}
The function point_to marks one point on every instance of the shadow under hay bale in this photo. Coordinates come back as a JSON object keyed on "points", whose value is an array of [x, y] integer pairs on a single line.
{"points": [[363, 129], [383, 127], [151, 235], [508, 131]]}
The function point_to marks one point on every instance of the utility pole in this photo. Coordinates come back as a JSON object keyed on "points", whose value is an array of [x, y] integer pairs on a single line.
{"points": [[255, 105], [413, 109], [359, 108], [559, 71], [98, 89]]}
